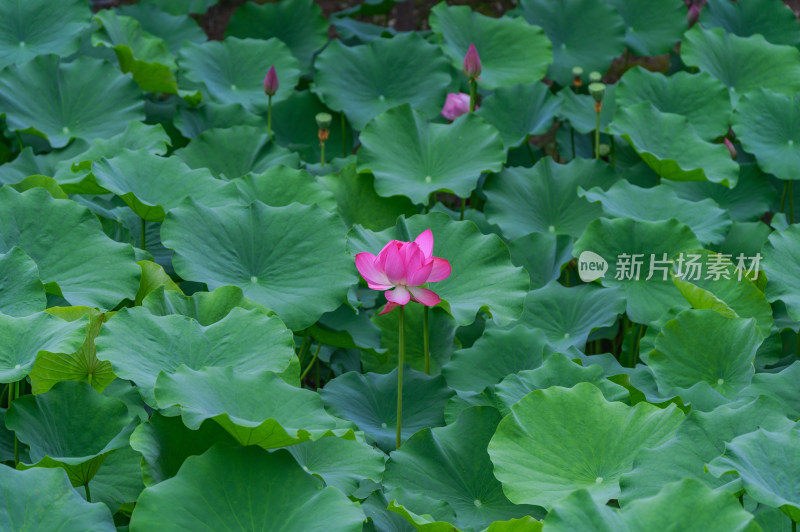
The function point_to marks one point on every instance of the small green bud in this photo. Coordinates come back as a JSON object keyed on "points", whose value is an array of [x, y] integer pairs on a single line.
{"points": [[604, 150]]}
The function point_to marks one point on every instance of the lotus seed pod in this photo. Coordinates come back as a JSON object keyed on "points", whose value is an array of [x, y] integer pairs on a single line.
{"points": [[577, 76], [604, 150], [595, 76], [324, 120], [597, 90]]}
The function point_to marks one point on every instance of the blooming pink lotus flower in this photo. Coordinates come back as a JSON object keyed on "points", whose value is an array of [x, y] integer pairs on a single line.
{"points": [[472, 62], [271, 82], [401, 268], [456, 105]]}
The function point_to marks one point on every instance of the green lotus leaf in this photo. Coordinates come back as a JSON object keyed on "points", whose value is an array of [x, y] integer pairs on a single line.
{"points": [[511, 51], [153, 277], [380, 518], [192, 121], [701, 98], [584, 33], [298, 23], [40, 500], [59, 438], [558, 441], [432, 461], [272, 253], [520, 111], [236, 151], [21, 291], [173, 29], [767, 465], [426, 522], [47, 183], [660, 203], [782, 266], [349, 329], [541, 254], [370, 401], [86, 98], [579, 110], [743, 64], [364, 81], [182, 7], [772, 19], [673, 150], [26, 29], [119, 479], [780, 386], [279, 186], [544, 199], [233, 70], [651, 29], [140, 345], [205, 307], [482, 276]]}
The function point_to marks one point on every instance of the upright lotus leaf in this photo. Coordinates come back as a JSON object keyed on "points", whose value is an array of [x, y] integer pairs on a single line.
{"points": [[191, 121], [236, 151], [558, 441], [768, 465], [279, 186], [298, 23], [660, 203], [183, 7], [781, 386], [153, 277], [26, 29], [174, 30], [87, 98], [264, 411], [511, 51], [701, 98], [41, 500], [544, 199], [497, 353], [541, 254], [579, 110], [673, 150], [433, 463], [782, 266], [370, 401], [75, 258], [233, 70], [482, 276], [205, 307], [519, 111], [651, 29], [568, 315], [21, 291], [771, 18], [272, 253], [584, 33], [59, 438], [743, 64]]}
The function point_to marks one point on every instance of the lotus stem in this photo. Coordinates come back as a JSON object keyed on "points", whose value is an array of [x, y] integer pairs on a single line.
{"points": [[463, 205], [344, 137], [88, 493], [572, 139], [322, 153], [597, 133], [303, 348], [473, 92], [426, 341], [313, 359], [144, 235], [530, 151], [791, 206], [401, 354], [783, 196], [269, 116]]}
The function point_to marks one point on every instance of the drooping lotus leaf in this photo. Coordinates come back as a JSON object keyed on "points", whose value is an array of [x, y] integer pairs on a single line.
{"points": [[651, 29], [172, 29], [87, 98], [153, 277], [67, 243], [119, 479], [41, 500], [511, 51], [781, 386], [701, 98], [771, 18], [370, 401], [205, 307], [579, 110], [541, 254], [520, 111], [26, 29], [47, 183], [380, 518], [191, 121], [236, 151], [272, 253], [59, 437], [298, 23], [21, 291], [782, 266], [584, 33], [279, 186], [434, 461], [482, 276], [673, 150], [558, 441], [544, 199]]}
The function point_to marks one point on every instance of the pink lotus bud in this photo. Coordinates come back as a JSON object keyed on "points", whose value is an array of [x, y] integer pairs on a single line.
{"points": [[271, 82], [472, 62], [731, 148], [456, 105], [693, 15]]}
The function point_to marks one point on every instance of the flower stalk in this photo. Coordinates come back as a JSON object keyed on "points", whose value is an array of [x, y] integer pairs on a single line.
{"points": [[324, 124], [401, 354]]}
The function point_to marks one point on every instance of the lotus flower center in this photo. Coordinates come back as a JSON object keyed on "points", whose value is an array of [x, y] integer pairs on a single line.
{"points": [[598, 480], [720, 382], [254, 279], [478, 503]]}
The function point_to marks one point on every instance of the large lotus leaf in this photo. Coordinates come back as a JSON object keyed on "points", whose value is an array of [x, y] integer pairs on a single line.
{"points": [[21, 291], [768, 465], [781, 386], [183, 7], [520, 111], [205, 307], [482, 276], [782, 266], [233, 70], [772, 19], [272, 253], [42, 500], [119, 479], [67, 243], [298, 23], [701, 98], [558, 441], [72, 427], [191, 121], [279, 186], [264, 410], [364, 81], [653, 28], [412, 157], [370, 401], [673, 150], [584, 33], [743, 64], [140, 345], [236, 151], [86, 98], [541, 254], [511, 51], [153, 277], [26, 29], [452, 462], [544, 199], [568, 315], [173, 29], [497, 353], [660, 203], [579, 109], [256, 489]]}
